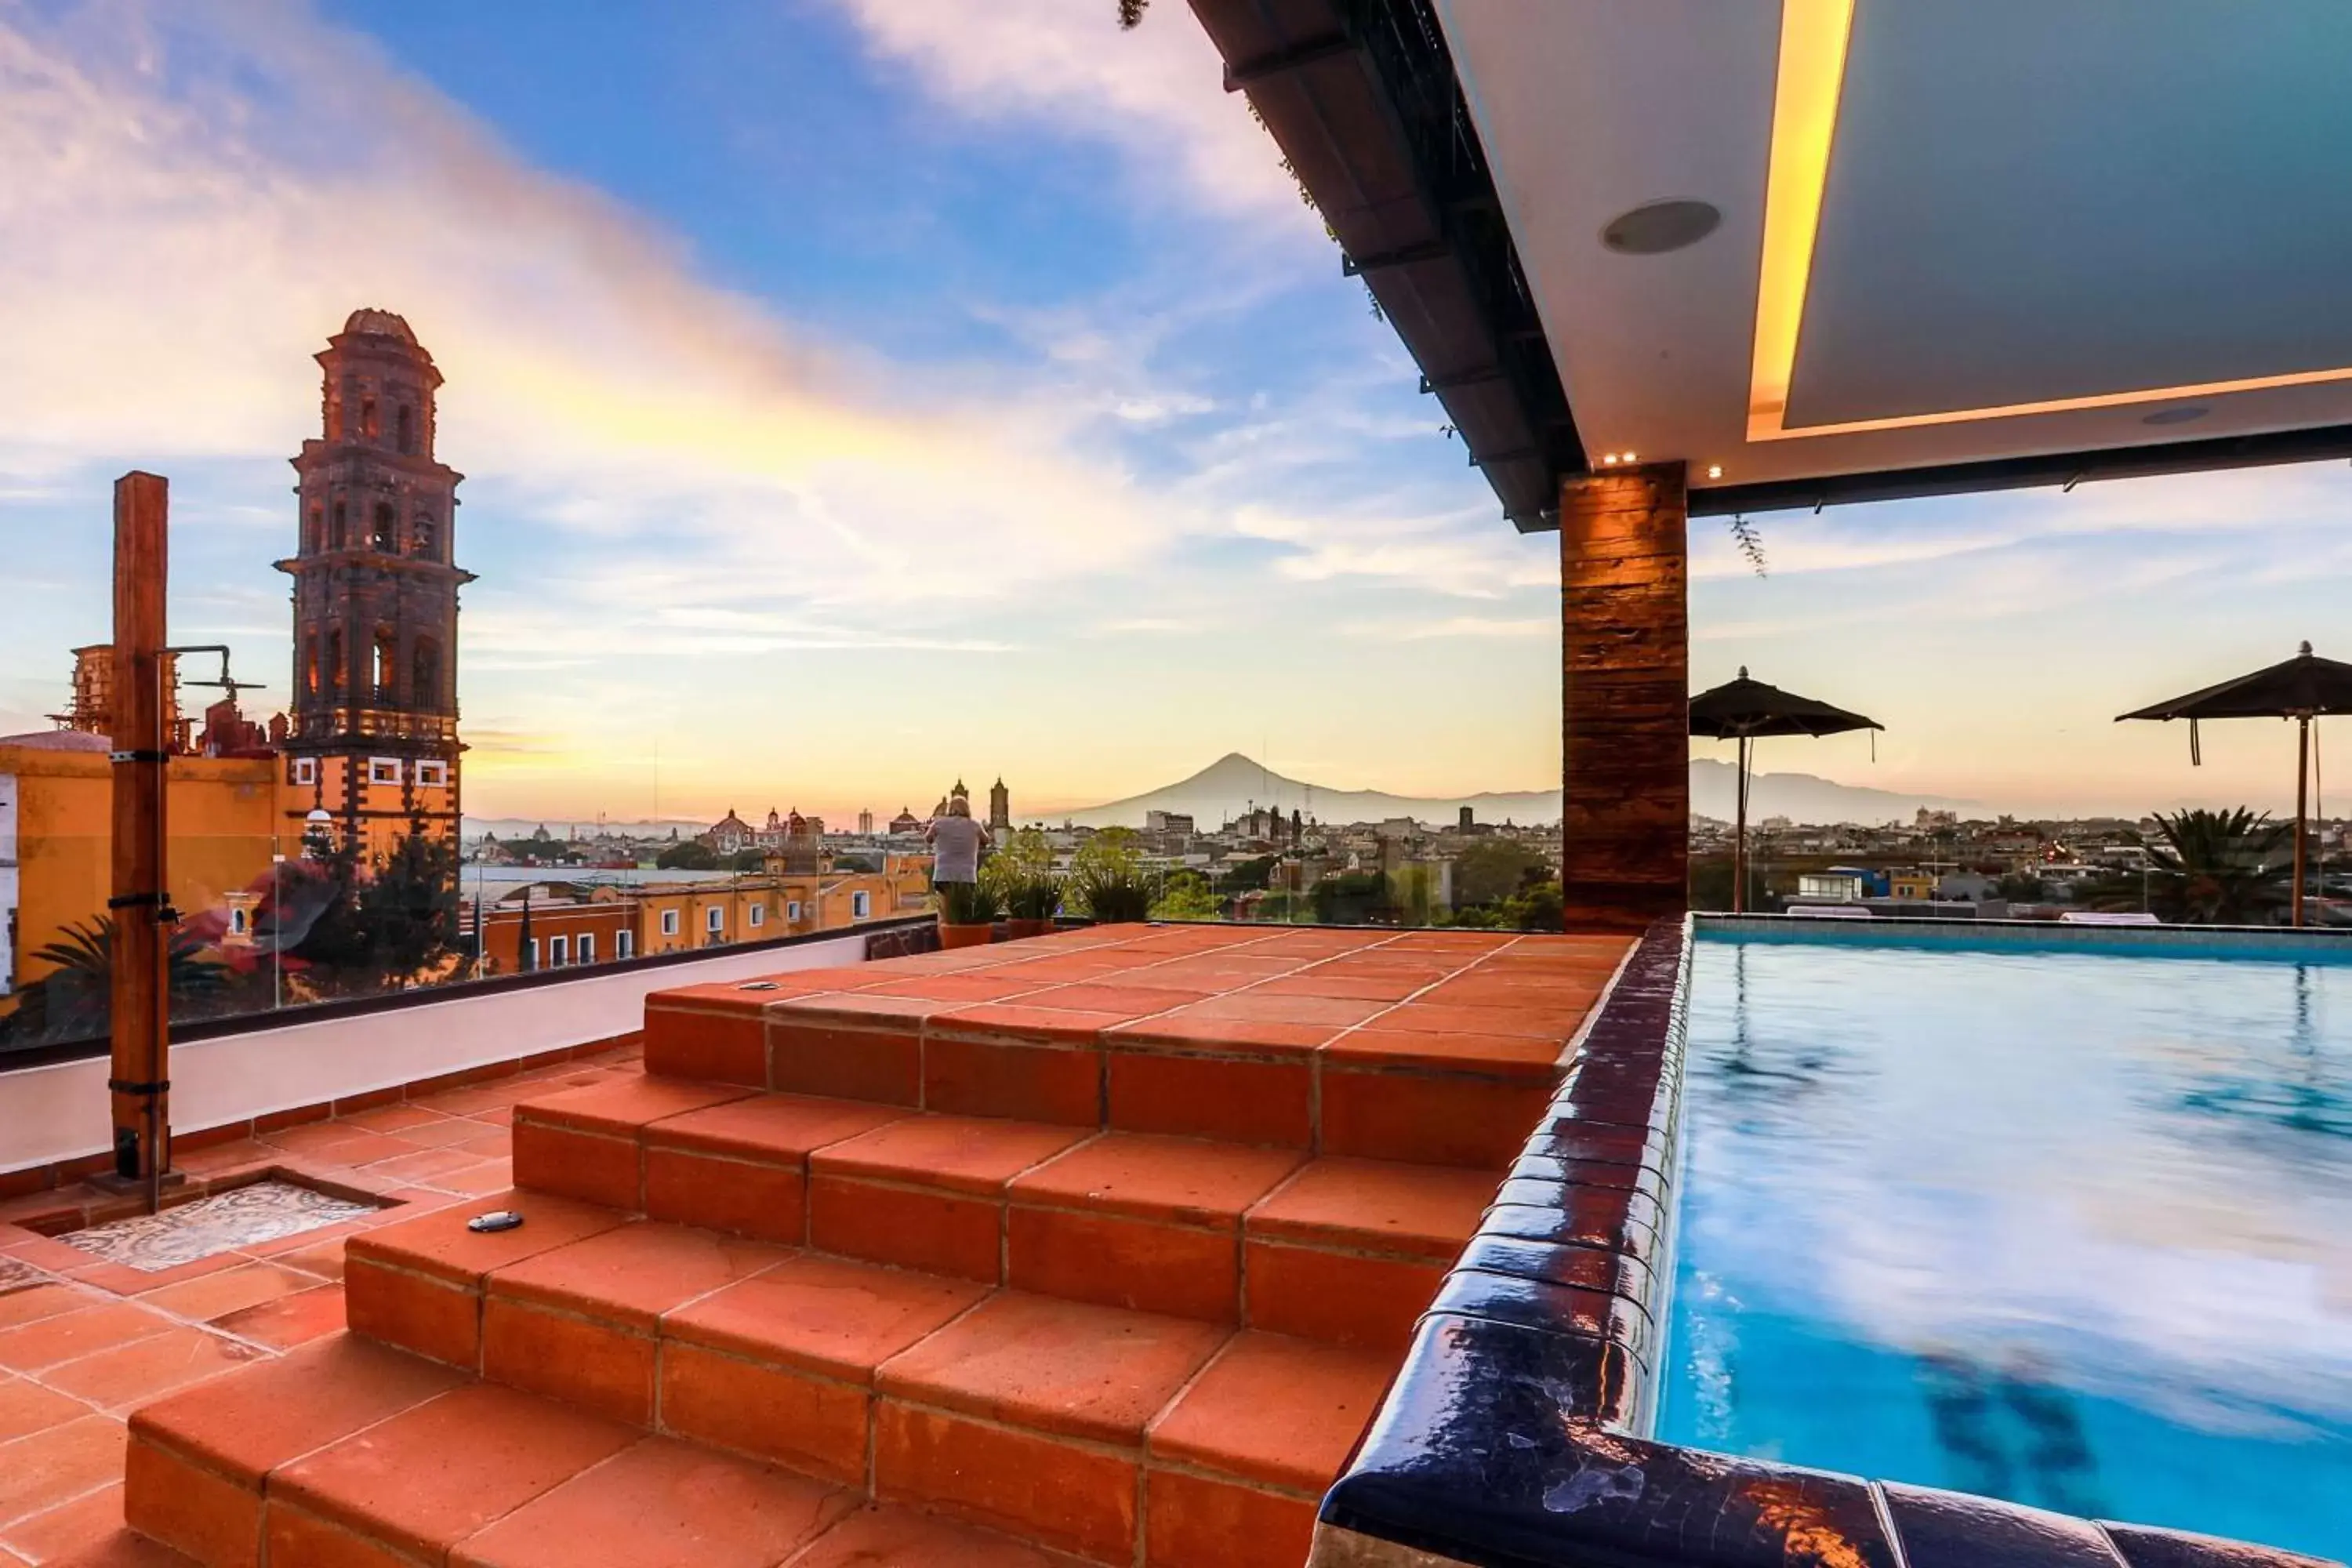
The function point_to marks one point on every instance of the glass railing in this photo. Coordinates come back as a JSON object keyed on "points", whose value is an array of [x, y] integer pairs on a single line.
{"points": [[260, 923], [1480, 880]]}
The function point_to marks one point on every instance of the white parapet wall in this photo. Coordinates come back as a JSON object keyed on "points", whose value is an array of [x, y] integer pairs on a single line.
{"points": [[59, 1111]]}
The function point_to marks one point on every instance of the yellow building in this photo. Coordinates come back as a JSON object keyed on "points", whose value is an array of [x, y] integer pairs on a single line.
{"points": [[226, 816], [674, 916]]}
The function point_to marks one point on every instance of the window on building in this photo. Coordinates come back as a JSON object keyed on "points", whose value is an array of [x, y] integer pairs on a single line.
{"points": [[383, 770], [559, 951], [240, 919], [369, 428], [587, 947], [385, 537], [714, 920], [759, 916], [424, 674], [531, 953], [792, 912], [335, 659], [423, 533], [404, 428], [432, 775], [861, 904], [669, 922], [311, 662], [306, 770], [318, 531], [385, 663], [624, 944], [341, 535]]}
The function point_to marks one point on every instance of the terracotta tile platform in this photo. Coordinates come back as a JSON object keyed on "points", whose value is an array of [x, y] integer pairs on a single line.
{"points": [[1099, 1248]]}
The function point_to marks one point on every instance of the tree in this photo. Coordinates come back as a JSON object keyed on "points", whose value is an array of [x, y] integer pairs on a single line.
{"points": [[1493, 869], [1187, 896], [687, 855], [748, 860], [1351, 898], [409, 907], [1112, 849], [1414, 892], [75, 998], [1252, 875], [2214, 868], [2023, 888], [1540, 908]]}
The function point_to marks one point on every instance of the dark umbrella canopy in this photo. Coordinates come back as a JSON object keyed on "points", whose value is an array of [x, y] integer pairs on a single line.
{"points": [[1749, 708], [2303, 684], [2302, 688], [1744, 710]]}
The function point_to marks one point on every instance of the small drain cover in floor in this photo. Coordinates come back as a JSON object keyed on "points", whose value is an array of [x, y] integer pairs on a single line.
{"points": [[241, 1216]]}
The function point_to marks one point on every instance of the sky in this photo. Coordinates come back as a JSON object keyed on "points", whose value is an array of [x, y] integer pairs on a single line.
{"points": [[855, 395]]}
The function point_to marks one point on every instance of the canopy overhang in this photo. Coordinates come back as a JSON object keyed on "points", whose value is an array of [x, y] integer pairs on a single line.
{"points": [[1958, 245]]}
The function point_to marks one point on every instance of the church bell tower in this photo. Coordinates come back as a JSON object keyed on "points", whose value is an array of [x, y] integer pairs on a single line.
{"points": [[373, 738]]}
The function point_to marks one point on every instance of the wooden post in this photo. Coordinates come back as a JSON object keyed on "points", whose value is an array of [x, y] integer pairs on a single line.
{"points": [[1624, 699], [140, 998]]}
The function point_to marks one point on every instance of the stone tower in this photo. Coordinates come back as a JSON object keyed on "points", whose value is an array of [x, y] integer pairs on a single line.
{"points": [[1000, 805], [373, 738]]}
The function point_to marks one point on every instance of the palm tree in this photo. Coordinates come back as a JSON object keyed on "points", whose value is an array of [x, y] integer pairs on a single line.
{"points": [[74, 999], [2214, 867]]}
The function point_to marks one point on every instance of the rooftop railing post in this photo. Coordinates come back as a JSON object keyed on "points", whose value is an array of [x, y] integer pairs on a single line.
{"points": [[140, 907]]}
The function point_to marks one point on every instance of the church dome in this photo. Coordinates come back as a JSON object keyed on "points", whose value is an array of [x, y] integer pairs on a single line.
{"points": [[380, 323]]}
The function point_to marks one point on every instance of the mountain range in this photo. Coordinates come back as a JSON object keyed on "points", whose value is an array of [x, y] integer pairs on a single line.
{"points": [[1231, 784]]}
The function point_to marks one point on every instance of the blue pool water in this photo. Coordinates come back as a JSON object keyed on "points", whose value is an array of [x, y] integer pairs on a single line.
{"points": [[2065, 1226]]}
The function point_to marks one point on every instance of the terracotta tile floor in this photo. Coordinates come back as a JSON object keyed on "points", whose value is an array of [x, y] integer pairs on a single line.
{"points": [[84, 1341]]}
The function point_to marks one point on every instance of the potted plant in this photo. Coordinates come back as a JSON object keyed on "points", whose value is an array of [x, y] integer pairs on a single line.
{"points": [[967, 914], [1029, 904], [1108, 879], [1021, 872]]}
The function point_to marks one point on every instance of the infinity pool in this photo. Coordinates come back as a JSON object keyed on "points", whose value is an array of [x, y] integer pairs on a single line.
{"points": [[2065, 1225]]}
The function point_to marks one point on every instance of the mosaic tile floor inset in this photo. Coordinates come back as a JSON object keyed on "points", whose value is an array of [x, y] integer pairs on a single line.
{"points": [[242, 1216], [15, 1274]]}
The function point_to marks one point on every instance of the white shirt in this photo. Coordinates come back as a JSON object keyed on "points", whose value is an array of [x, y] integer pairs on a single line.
{"points": [[955, 841]]}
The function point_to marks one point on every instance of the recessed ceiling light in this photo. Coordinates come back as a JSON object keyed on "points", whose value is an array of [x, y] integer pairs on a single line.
{"points": [[1630, 458], [2176, 415], [1660, 227], [1715, 470], [1608, 459]]}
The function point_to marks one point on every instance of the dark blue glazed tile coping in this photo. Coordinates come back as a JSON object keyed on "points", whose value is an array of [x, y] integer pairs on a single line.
{"points": [[1513, 1434]]}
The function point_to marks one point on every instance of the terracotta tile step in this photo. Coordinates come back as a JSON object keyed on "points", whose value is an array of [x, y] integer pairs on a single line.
{"points": [[788, 1402], [1372, 1045], [1333, 1249], [1055, 1420], [346, 1453]]}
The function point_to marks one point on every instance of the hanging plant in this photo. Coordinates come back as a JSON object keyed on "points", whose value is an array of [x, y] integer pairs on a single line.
{"points": [[1750, 543]]}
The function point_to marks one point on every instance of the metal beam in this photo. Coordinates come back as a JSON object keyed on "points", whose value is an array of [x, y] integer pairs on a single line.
{"points": [[1408, 255], [1332, 44]]}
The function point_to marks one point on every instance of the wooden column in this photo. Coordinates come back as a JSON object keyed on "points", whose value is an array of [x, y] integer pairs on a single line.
{"points": [[141, 996], [1625, 698]]}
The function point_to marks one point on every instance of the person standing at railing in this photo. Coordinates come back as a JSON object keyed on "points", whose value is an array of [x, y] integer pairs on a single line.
{"points": [[955, 841]]}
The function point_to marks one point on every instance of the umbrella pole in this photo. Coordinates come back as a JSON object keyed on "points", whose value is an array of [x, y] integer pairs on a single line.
{"points": [[1739, 837], [2302, 805]]}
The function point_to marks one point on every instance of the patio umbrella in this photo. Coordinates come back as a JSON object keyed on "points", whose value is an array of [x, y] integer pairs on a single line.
{"points": [[1745, 710], [2302, 688]]}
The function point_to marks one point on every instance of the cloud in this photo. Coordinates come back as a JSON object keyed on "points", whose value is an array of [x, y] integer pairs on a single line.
{"points": [[1459, 626], [1466, 556], [195, 199], [1065, 63]]}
